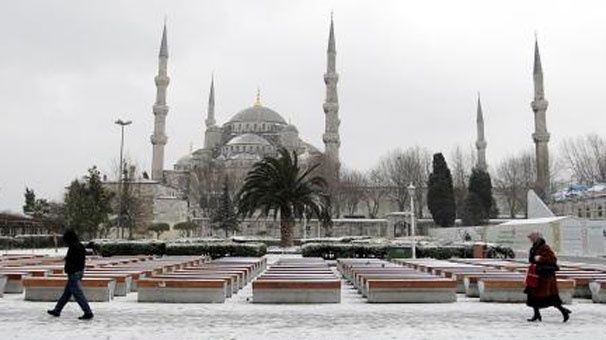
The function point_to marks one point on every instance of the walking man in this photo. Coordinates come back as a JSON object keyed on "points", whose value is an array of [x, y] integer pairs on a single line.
{"points": [[74, 268]]}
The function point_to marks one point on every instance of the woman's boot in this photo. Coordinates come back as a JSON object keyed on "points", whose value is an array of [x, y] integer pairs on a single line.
{"points": [[536, 316], [565, 312]]}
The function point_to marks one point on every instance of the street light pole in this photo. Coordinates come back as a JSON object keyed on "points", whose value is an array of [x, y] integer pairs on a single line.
{"points": [[411, 193], [121, 172]]}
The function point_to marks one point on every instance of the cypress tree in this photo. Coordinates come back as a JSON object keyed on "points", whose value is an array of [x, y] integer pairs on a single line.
{"points": [[225, 217], [440, 193], [479, 204]]}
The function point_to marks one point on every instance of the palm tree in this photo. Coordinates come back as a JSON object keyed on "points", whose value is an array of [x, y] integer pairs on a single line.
{"points": [[278, 186]]}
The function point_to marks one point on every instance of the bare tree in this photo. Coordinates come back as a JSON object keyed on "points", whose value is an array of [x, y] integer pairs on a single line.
{"points": [[204, 187], [352, 190], [515, 176], [402, 167], [375, 190], [585, 157]]}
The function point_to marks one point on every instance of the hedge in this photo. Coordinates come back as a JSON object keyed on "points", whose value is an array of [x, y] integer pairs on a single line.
{"points": [[31, 241], [353, 250], [130, 248], [213, 249], [216, 250]]}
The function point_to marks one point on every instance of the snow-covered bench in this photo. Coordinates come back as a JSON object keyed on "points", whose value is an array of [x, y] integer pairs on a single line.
{"points": [[182, 290], [297, 290], [123, 280], [14, 281], [470, 280], [582, 281], [413, 290], [512, 290], [231, 280], [598, 291], [50, 288], [3, 280]]}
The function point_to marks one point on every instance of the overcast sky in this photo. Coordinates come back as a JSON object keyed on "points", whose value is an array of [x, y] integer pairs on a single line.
{"points": [[409, 74]]}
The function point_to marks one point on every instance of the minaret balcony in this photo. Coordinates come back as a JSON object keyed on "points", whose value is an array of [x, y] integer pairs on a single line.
{"points": [[540, 137], [158, 139], [160, 109], [162, 80], [539, 105], [331, 107], [331, 77]]}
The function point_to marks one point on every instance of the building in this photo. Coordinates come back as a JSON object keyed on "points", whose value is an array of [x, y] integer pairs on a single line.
{"points": [[229, 149]]}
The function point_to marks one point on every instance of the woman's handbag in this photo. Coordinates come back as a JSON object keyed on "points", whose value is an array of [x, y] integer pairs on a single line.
{"points": [[531, 281]]}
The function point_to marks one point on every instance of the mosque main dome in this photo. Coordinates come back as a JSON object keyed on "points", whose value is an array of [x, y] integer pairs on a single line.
{"points": [[258, 114]]}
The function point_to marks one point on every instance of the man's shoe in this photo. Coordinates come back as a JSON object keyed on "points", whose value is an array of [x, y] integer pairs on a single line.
{"points": [[86, 317], [53, 312]]}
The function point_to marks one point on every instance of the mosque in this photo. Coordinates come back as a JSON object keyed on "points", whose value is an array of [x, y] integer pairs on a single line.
{"points": [[174, 195]]}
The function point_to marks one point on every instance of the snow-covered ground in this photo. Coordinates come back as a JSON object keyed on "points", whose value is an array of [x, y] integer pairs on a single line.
{"points": [[353, 318]]}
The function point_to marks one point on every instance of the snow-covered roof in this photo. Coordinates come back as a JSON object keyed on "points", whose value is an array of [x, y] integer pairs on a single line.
{"points": [[541, 220]]}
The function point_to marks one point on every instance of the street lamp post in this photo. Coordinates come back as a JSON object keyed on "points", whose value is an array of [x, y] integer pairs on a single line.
{"points": [[411, 193], [121, 173]]}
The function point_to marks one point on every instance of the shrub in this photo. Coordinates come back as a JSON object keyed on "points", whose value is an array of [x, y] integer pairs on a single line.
{"points": [[130, 248], [344, 250], [7, 242], [217, 249], [38, 241]]}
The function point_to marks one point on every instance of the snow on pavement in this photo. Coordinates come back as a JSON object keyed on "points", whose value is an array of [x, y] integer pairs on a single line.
{"points": [[353, 318]]}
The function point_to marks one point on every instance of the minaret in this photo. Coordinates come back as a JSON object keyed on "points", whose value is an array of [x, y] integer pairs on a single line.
{"points": [[212, 136], [331, 105], [158, 139], [481, 141], [540, 135]]}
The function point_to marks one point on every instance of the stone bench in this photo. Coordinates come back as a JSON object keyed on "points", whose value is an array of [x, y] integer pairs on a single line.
{"points": [[182, 290], [582, 281], [297, 290], [512, 290], [245, 273], [134, 274], [231, 281], [240, 275], [470, 281], [51, 288], [123, 280], [14, 281], [411, 290], [598, 291], [362, 286], [3, 280]]}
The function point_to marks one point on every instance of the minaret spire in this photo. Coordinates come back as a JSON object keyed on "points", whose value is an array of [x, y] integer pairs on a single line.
{"points": [[210, 117], [160, 109], [212, 135], [481, 141], [541, 135], [331, 137]]}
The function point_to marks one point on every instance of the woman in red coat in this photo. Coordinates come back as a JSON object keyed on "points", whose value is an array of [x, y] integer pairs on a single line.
{"points": [[543, 292]]}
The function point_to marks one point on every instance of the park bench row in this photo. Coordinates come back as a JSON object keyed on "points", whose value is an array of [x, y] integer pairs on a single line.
{"points": [[104, 277], [297, 280], [386, 282], [588, 278]]}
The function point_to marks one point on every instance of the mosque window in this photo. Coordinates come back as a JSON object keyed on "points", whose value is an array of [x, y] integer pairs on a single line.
{"points": [[580, 212], [588, 212], [600, 212]]}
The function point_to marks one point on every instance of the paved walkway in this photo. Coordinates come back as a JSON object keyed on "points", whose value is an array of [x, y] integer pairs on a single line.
{"points": [[238, 318]]}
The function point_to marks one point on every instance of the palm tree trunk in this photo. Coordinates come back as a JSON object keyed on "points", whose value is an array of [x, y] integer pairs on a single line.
{"points": [[286, 227]]}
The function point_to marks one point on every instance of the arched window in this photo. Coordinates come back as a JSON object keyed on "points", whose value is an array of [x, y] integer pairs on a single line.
{"points": [[600, 211], [588, 212]]}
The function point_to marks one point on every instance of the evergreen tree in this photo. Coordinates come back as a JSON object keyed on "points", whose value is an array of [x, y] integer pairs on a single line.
{"points": [[87, 204], [440, 193], [479, 204], [225, 217], [37, 208]]}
